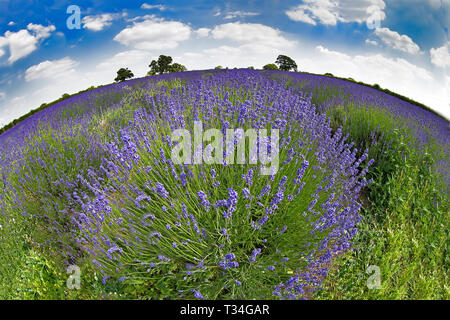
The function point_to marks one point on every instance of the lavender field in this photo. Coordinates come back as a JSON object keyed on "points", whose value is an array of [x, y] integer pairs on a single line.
{"points": [[362, 184]]}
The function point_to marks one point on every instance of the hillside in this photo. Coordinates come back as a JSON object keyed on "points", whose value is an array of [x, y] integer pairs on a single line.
{"points": [[65, 96], [346, 177]]}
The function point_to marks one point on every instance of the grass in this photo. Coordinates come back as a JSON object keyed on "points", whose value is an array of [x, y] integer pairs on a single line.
{"points": [[405, 227], [404, 231]]}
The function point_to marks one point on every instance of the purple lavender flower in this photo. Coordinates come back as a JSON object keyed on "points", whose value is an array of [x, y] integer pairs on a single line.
{"points": [[230, 256], [161, 190], [204, 201]]}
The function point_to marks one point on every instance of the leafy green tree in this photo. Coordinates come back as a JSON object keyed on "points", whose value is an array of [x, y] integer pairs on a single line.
{"points": [[164, 65], [285, 63], [123, 74], [218, 67], [270, 66], [176, 67], [161, 65]]}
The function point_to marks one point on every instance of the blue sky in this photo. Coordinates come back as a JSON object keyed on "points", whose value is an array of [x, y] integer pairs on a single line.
{"points": [[402, 45]]}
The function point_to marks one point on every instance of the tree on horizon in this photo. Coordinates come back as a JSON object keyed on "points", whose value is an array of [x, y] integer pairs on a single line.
{"points": [[164, 65], [286, 63], [123, 74]]}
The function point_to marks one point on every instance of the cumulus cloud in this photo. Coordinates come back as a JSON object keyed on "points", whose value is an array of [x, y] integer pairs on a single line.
{"points": [[329, 12], [136, 60], [441, 56], [160, 7], [238, 45], [99, 22], [202, 32], [396, 74], [11, 23], [239, 14], [394, 40], [51, 69], [25, 41], [40, 31], [252, 33], [154, 34], [371, 42]]}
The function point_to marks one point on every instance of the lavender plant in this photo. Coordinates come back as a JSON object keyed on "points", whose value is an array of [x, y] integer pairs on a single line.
{"points": [[90, 181]]}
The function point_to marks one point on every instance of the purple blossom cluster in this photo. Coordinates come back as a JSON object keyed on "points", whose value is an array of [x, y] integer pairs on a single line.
{"points": [[94, 174]]}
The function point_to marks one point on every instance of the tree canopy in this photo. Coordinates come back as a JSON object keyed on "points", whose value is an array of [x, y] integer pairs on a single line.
{"points": [[270, 66], [164, 65], [176, 67], [285, 63], [123, 74]]}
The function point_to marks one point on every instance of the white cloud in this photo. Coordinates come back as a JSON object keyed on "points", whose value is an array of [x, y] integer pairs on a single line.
{"points": [[301, 16], [18, 99], [240, 45], [11, 23], [252, 33], [25, 41], [135, 60], [155, 6], [223, 51], [154, 34], [21, 44], [396, 74], [239, 14], [371, 42], [203, 32], [329, 12], [394, 40], [50, 69], [2, 95], [441, 56], [99, 22], [40, 31]]}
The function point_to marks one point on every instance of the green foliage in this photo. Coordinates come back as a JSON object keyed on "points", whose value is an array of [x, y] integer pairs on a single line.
{"points": [[171, 84], [165, 283], [270, 66], [164, 65], [218, 67], [123, 74], [404, 231], [286, 63], [176, 67]]}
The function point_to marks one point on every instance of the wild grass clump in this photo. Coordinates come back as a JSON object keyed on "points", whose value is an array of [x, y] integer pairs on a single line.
{"points": [[404, 230]]}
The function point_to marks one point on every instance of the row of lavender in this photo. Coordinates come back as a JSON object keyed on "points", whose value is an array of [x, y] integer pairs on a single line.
{"points": [[92, 176], [423, 122], [119, 202], [427, 128]]}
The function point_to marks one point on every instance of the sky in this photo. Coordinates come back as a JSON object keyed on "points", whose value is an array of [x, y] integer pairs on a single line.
{"points": [[48, 48]]}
